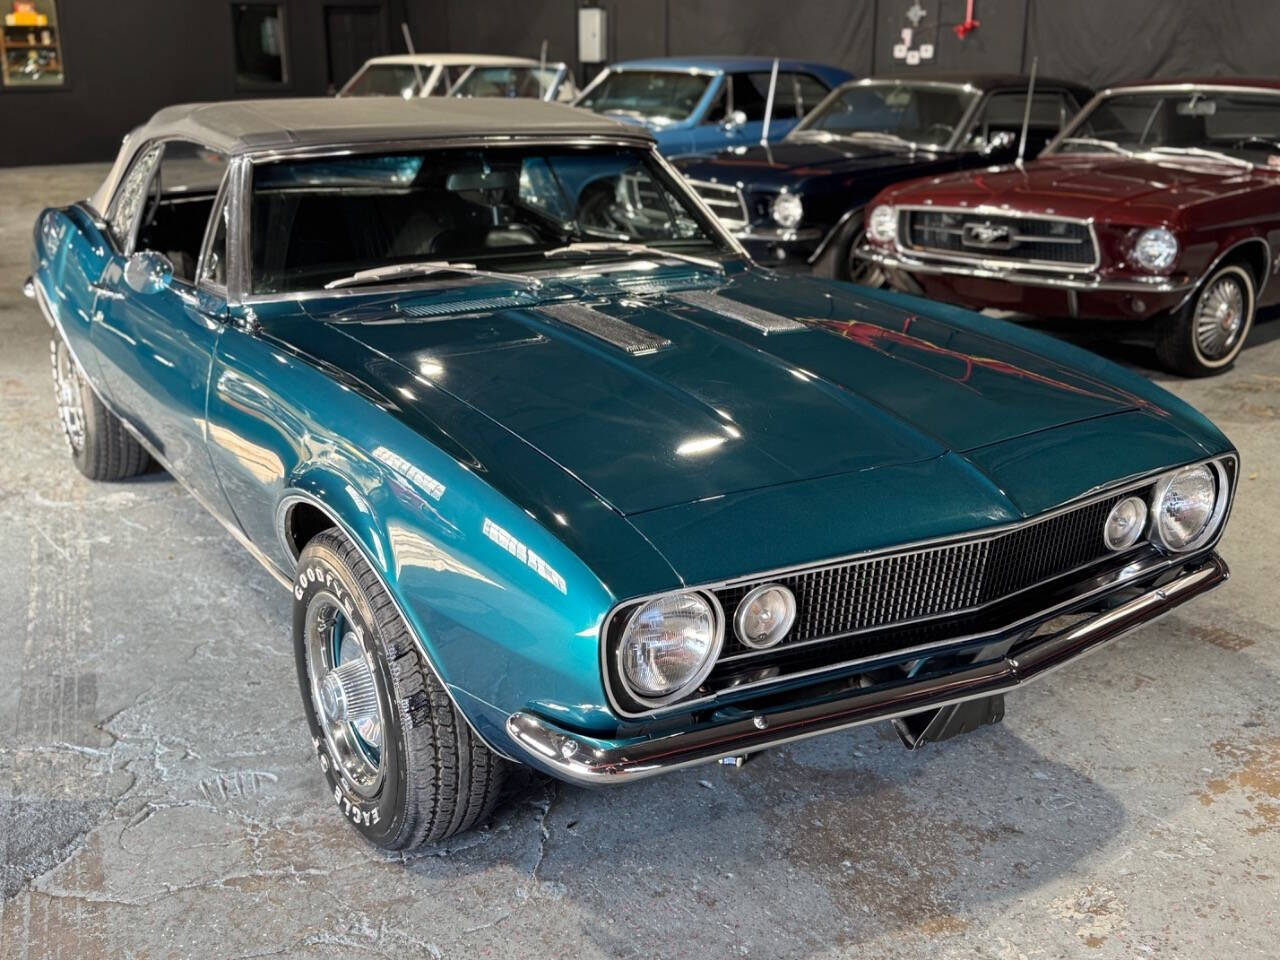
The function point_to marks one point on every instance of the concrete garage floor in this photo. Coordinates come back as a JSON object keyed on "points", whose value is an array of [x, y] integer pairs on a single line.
{"points": [[158, 796]]}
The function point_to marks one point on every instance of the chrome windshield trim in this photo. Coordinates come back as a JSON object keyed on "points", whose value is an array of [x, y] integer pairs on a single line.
{"points": [[592, 762], [977, 536]]}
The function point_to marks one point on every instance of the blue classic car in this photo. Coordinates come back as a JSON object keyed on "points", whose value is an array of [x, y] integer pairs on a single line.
{"points": [[801, 202], [705, 104], [557, 476]]}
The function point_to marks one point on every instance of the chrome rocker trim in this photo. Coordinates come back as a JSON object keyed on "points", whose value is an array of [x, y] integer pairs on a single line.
{"points": [[584, 761], [1087, 281]]}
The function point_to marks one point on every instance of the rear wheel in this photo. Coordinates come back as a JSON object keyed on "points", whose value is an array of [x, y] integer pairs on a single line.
{"points": [[101, 447], [1207, 333], [841, 262], [402, 764]]}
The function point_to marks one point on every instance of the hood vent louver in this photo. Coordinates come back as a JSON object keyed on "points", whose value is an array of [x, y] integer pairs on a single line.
{"points": [[473, 305], [753, 317], [636, 341]]}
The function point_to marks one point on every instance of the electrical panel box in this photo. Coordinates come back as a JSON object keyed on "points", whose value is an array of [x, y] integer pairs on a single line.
{"points": [[591, 35]]}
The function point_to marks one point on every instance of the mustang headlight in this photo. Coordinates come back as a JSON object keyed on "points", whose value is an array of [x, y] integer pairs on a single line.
{"points": [[669, 646], [1156, 249], [1188, 505], [786, 210], [765, 615], [882, 225]]}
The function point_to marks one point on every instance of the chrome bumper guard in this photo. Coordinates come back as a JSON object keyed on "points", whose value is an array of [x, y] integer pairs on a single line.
{"points": [[589, 762], [988, 270]]}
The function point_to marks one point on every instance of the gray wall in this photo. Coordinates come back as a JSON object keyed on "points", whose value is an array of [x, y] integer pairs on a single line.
{"points": [[125, 59]]}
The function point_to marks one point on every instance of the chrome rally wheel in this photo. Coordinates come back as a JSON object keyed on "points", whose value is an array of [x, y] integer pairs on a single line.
{"points": [[69, 390]]}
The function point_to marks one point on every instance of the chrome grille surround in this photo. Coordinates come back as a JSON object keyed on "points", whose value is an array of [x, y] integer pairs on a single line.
{"points": [[1043, 241], [1006, 561], [726, 202]]}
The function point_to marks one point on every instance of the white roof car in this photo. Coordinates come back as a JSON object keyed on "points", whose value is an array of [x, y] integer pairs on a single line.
{"points": [[411, 75]]}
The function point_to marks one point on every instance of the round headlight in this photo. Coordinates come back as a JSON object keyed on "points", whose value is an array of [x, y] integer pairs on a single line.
{"points": [[1156, 249], [882, 225], [1185, 508], [1125, 523], [765, 615], [669, 646], [786, 210]]}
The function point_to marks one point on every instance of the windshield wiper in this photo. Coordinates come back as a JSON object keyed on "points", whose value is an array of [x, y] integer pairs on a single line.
{"points": [[1097, 142], [1202, 152], [425, 268], [879, 135], [631, 250]]}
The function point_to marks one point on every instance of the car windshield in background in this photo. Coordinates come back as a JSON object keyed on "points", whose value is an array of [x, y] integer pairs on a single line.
{"points": [[917, 114], [654, 95], [1231, 125], [506, 82], [317, 221], [387, 80]]}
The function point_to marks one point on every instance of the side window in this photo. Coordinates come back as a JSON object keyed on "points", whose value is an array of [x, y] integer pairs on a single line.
{"points": [[718, 112], [810, 91], [750, 93], [179, 204], [127, 206], [1003, 113]]}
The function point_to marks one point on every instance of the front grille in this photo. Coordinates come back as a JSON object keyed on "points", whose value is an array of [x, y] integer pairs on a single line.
{"points": [[1044, 242], [725, 202], [883, 592]]}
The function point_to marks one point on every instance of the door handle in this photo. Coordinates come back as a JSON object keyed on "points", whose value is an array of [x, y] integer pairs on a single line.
{"points": [[107, 292]]}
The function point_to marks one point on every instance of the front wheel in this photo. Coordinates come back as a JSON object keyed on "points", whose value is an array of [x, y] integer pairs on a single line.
{"points": [[1207, 333], [841, 262], [402, 765], [101, 447]]}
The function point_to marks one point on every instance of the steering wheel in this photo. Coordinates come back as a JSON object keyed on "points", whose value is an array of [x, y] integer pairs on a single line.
{"points": [[1246, 141], [947, 130]]}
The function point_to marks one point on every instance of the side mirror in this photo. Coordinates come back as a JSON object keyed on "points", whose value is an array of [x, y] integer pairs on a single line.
{"points": [[1000, 140], [735, 120], [148, 272]]}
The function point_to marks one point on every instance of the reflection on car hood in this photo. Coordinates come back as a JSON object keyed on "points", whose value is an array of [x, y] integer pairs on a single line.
{"points": [[1087, 186], [792, 159], [720, 408]]}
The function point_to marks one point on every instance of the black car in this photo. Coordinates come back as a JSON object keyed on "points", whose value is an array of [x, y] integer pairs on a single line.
{"points": [[800, 202]]}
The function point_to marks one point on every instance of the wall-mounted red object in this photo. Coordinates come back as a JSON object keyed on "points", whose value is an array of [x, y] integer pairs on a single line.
{"points": [[964, 29]]}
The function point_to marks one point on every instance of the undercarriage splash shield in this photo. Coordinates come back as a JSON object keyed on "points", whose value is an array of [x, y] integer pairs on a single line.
{"points": [[932, 726]]}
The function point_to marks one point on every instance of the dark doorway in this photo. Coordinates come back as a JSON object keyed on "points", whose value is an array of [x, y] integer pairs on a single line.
{"points": [[353, 34]]}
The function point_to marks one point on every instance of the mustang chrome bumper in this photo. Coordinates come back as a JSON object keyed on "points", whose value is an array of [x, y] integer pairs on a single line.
{"points": [[1012, 273], [581, 759]]}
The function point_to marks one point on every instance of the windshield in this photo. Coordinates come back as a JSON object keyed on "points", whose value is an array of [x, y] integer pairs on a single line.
{"points": [[916, 113], [387, 80], [532, 82], [501, 208], [647, 94], [1235, 125]]}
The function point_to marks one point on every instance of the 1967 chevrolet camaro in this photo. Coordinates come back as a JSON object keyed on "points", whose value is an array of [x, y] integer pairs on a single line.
{"points": [[557, 476]]}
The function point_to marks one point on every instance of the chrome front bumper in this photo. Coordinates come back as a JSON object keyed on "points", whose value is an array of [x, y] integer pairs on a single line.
{"points": [[583, 760], [990, 270]]}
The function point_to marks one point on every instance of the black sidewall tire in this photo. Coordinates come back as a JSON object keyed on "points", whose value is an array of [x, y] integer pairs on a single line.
{"points": [[381, 818]]}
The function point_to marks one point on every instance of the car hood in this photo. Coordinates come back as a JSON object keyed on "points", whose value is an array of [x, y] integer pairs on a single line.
{"points": [[722, 408], [1079, 186], [790, 160]]}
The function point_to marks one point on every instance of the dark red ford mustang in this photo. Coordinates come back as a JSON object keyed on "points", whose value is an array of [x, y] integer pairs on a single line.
{"points": [[1159, 204]]}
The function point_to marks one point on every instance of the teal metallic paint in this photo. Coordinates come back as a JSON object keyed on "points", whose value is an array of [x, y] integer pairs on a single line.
{"points": [[512, 479]]}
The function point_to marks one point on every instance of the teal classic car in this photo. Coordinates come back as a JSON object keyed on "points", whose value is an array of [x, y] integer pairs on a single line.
{"points": [[557, 476]]}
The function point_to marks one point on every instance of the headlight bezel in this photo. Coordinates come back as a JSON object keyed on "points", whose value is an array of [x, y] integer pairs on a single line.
{"points": [[1156, 235], [647, 701], [882, 215], [1217, 515], [792, 201]]}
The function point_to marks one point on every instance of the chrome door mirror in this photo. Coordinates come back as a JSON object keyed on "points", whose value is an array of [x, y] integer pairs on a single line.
{"points": [[148, 272], [735, 120], [1000, 140]]}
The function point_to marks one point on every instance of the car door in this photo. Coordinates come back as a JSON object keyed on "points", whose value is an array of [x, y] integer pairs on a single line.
{"points": [[161, 309]]}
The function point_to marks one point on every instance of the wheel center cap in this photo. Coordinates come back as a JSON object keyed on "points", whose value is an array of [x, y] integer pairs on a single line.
{"points": [[348, 693]]}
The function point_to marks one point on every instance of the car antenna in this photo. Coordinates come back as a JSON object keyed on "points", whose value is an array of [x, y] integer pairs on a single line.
{"points": [[768, 105], [1026, 114], [408, 45]]}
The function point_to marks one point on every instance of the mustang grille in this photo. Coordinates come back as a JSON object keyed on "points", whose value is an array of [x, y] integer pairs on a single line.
{"points": [[884, 591], [977, 236], [725, 202]]}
